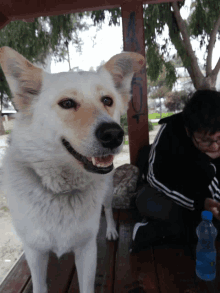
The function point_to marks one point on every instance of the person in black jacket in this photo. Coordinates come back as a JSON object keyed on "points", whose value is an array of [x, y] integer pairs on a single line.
{"points": [[183, 172]]}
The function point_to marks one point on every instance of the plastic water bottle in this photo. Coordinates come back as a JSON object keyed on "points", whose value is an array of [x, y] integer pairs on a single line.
{"points": [[205, 250]]}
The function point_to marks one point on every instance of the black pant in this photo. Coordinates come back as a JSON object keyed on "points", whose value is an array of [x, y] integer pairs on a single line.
{"points": [[175, 219]]}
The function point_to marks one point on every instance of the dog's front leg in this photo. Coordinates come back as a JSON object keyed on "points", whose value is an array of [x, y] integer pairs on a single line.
{"points": [[37, 262], [86, 261], [111, 233]]}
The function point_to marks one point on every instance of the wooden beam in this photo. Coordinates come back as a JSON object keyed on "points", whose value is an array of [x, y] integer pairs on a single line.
{"points": [[11, 10], [133, 36]]}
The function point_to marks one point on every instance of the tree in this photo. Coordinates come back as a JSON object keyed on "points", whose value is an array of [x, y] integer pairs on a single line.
{"points": [[61, 51], [91, 68], [176, 61], [159, 94], [45, 35], [175, 101], [124, 124], [202, 25], [158, 89], [154, 86]]}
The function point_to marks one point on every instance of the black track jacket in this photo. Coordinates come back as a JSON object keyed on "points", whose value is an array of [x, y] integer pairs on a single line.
{"points": [[179, 170]]}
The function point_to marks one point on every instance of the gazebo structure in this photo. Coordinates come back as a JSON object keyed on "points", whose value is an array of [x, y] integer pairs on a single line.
{"points": [[161, 269]]}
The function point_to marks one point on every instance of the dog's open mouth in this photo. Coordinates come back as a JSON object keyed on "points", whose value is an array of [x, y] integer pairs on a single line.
{"points": [[101, 165]]}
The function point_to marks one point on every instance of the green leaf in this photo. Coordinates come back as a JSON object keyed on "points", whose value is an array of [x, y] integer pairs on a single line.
{"points": [[157, 17], [45, 35]]}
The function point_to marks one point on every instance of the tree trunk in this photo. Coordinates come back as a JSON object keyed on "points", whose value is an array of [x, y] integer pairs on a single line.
{"points": [[208, 82], [68, 54], [2, 130], [181, 41], [184, 48], [160, 109]]}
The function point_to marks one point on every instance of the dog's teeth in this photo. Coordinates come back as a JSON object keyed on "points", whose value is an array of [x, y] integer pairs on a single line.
{"points": [[102, 165], [93, 161]]}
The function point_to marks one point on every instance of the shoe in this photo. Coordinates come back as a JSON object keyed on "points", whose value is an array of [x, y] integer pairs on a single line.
{"points": [[137, 226], [145, 234]]}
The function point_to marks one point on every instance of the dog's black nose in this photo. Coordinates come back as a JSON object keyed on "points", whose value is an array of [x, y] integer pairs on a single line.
{"points": [[110, 135]]}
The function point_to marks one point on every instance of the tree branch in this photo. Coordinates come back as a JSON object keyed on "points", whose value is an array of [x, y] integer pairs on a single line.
{"points": [[217, 68], [179, 45], [211, 46], [187, 45]]}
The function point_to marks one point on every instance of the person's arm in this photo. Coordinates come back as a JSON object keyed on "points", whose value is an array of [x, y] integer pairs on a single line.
{"points": [[173, 172]]}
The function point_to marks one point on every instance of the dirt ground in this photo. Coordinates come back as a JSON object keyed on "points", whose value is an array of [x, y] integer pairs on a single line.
{"points": [[10, 245]]}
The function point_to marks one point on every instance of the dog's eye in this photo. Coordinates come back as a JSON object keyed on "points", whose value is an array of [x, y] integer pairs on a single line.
{"points": [[68, 104], [107, 101]]}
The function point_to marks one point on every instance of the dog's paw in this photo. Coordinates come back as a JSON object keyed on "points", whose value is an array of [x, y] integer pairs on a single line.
{"points": [[112, 234]]}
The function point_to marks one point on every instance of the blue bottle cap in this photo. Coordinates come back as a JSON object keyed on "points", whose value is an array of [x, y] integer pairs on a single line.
{"points": [[207, 215]]}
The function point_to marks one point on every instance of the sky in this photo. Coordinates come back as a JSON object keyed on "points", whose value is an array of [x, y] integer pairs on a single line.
{"points": [[107, 43]]}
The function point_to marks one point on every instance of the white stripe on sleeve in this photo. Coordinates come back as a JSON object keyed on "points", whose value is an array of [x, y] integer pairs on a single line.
{"points": [[175, 195]]}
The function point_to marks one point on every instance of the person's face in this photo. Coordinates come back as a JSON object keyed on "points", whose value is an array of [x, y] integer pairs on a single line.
{"points": [[208, 144]]}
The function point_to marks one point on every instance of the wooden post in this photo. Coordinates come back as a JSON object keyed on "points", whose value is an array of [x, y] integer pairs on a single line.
{"points": [[133, 36]]}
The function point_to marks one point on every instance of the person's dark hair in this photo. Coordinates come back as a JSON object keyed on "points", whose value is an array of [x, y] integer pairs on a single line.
{"points": [[202, 112]]}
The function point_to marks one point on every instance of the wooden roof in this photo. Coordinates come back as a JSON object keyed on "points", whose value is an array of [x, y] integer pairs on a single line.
{"points": [[11, 10]]}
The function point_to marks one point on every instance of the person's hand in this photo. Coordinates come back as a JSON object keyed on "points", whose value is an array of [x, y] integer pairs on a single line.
{"points": [[213, 206]]}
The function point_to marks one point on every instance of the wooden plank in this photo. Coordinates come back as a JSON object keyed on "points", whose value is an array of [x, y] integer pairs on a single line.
{"points": [[143, 268], [28, 288], [59, 274], [134, 272], [175, 269], [217, 279], [133, 36], [17, 278], [105, 261]]}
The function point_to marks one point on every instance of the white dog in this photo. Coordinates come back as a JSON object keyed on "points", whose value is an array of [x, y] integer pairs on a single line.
{"points": [[58, 167]]}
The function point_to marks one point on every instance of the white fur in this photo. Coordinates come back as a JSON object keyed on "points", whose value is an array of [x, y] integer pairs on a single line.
{"points": [[55, 203]]}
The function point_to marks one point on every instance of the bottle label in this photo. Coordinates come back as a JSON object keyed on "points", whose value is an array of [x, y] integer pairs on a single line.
{"points": [[206, 262]]}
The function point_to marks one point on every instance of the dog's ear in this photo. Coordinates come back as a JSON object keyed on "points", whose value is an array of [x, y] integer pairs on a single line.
{"points": [[122, 68], [24, 79]]}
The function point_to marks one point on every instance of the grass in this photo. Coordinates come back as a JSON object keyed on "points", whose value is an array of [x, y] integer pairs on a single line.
{"points": [[5, 209], [7, 131], [157, 115], [154, 116]]}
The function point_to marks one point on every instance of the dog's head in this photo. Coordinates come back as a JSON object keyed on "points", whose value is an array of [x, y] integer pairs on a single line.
{"points": [[77, 112]]}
